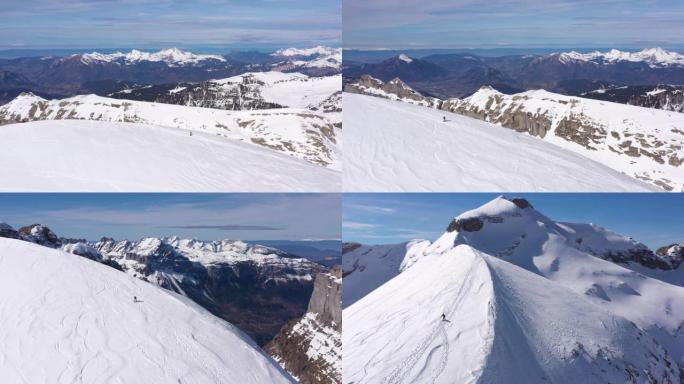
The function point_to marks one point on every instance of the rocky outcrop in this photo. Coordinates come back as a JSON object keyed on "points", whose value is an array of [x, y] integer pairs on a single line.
{"points": [[672, 255], [470, 224], [311, 347], [394, 89], [348, 247], [652, 139], [40, 234], [8, 232]]}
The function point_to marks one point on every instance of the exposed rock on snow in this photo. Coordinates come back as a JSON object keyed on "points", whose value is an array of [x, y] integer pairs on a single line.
{"points": [[644, 143], [394, 90], [311, 348], [300, 133]]}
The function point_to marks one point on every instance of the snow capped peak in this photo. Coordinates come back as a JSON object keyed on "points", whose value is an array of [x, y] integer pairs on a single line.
{"points": [[405, 58], [317, 50], [170, 56], [654, 57]]}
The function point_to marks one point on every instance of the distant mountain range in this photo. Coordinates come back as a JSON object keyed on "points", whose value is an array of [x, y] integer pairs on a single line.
{"points": [[447, 75], [63, 76]]}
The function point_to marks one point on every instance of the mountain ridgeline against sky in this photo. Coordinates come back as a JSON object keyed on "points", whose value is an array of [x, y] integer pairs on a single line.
{"points": [[508, 291], [571, 73], [95, 72]]}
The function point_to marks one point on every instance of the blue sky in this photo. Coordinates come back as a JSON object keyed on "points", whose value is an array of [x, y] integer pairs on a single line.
{"points": [[261, 24], [204, 216], [405, 24], [654, 219]]}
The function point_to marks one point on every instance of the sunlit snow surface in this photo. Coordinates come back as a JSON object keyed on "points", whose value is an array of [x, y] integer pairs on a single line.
{"points": [[395, 146], [71, 155], [67, 319]]}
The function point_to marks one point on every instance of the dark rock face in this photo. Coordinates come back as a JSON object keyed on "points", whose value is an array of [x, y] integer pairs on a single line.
{"points": [[662, 96], [665, 258], [292, 347], [348, 247], [8, 232], [39, 234], [470, 224], [521, 203], [394, 88]]}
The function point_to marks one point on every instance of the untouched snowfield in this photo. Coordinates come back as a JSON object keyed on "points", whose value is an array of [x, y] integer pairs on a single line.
{"points": [[66, 319], [92, 156], [393, 147], [369, 266]]}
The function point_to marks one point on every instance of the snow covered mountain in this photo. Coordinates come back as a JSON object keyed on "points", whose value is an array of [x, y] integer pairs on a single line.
{"points": [[311, 348], [69, 319], [654, 57], [248, 91], [102, 156], [662, 96], [324, 60], [170, 56], [647, 144], [392, 146], [366, 267], [395, 89], [299, 133], [523, 297]]}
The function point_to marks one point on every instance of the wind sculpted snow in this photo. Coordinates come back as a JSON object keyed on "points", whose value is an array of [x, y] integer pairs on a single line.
{"points": [[394, 146], [67, 319], [71, 155]]}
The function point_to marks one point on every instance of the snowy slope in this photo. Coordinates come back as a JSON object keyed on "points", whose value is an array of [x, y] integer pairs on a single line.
{"points": [[369, 266], [98, 156], [504, 322], [645, 143], [293, 90], [300, 133], [66, 319], [394, 146], [528, 239]]}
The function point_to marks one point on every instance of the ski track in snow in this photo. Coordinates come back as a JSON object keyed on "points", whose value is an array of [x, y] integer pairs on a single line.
{"points": [[398, 147], [427, 346]]}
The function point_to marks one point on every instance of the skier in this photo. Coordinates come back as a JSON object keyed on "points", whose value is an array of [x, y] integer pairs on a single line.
{"points": [[443, 317], [444, 119], [135, 299]]}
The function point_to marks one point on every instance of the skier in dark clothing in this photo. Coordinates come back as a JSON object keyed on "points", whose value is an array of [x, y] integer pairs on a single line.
{"points": [[135, 299], [444, 319], [444, 119]]}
